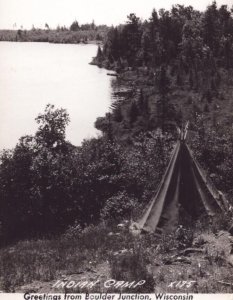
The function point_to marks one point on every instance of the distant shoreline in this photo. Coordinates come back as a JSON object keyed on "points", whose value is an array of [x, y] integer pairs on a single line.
{"points": [[92, 36], [94, 42]]}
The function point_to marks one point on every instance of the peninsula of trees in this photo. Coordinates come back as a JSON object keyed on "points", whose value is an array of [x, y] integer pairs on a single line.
{"points": [[176, 64]]}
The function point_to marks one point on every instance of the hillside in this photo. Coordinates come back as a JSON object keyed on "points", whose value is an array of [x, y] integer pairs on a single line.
{"points": [[174, 67], [177, 64], [191, 260]]}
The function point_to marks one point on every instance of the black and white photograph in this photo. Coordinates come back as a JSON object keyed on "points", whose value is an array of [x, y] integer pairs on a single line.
{"points": [[116, 149]]}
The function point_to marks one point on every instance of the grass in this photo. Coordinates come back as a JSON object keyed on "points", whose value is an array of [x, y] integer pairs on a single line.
{"points": [[46, 260], [148, 257]]}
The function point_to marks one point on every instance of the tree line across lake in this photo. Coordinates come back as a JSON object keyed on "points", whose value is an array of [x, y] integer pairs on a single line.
{"points": [[76, 33]]}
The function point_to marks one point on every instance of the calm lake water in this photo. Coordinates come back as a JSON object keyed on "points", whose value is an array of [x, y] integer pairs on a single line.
{"points": [[35, 74]]}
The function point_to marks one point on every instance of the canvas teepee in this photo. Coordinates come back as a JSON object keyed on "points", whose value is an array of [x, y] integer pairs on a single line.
{"points": [[185, 187]]}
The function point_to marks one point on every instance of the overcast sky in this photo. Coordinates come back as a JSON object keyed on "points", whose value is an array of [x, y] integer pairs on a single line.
{"points": [[63, 12]]}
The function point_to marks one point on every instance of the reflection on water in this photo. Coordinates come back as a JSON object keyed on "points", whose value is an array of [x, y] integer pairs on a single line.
{"points": [[35, 74], [120, 91]]}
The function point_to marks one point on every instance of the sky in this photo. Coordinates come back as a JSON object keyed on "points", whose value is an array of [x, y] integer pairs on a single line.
{"points": [[63, 12]]}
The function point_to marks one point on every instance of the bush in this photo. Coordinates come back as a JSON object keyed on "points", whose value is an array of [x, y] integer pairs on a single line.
{"points": [[118, 207], [213, 150], [46, 183]]}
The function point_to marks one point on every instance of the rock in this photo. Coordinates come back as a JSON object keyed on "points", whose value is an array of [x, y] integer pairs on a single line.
{"points": [[120, 225], [135, 228], [183, 260], [212, 175], [122, 252]]}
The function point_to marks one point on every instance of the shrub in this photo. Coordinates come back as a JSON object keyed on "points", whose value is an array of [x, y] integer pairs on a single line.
{"points": [[118, 207]]}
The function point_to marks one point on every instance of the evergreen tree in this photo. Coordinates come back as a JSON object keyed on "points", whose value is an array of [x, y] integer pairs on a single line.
{"points": [[154, 38], [111, 47], [74, 26], [211, 27], [131, 37], [163, 104], [47, 26], [99, 55]]}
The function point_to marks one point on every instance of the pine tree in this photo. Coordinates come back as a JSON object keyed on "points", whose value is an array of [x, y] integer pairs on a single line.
{"points": [[99, 53], [74, 26], [163, 105], [211, 27]]}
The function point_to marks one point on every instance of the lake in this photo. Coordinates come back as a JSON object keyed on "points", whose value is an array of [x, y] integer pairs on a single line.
{"points": [[35, 74]]}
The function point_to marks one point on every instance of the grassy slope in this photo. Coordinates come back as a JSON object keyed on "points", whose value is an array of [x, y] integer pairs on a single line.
{"points": [[96, 253]]}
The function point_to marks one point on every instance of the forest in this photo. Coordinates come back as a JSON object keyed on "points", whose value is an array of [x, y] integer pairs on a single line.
{"points": [[182, 38], [177, 66], [177, 58]]}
